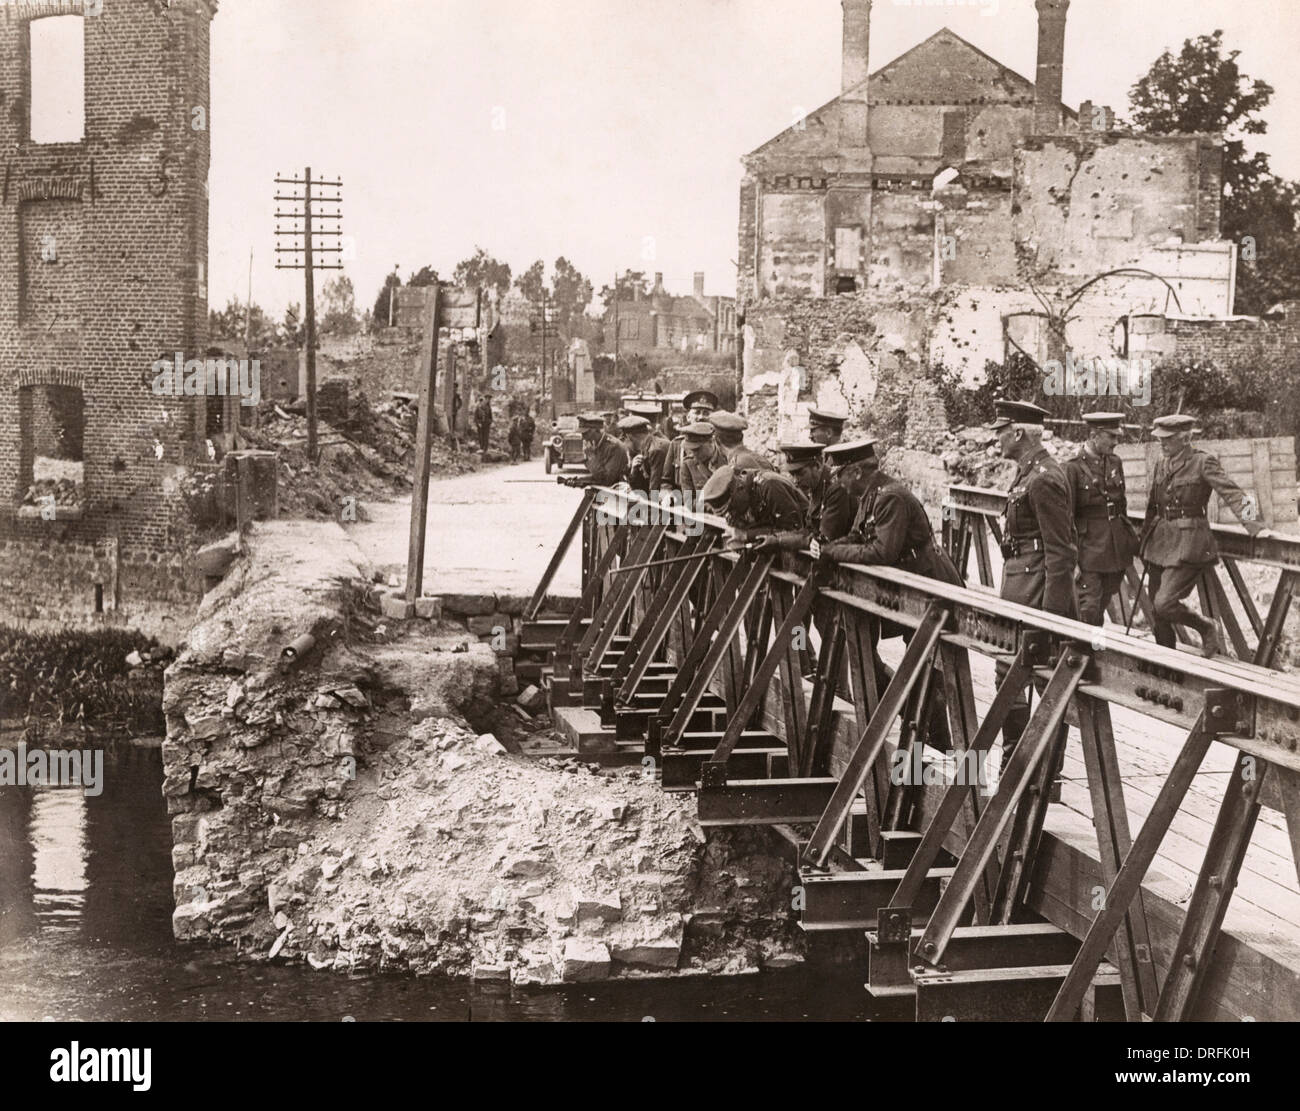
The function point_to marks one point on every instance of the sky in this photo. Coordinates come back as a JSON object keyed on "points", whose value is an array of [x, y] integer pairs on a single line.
{"points": [[606, 131]]}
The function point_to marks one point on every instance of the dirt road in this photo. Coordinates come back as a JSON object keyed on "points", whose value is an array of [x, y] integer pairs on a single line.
{"points": [[489, 532]]}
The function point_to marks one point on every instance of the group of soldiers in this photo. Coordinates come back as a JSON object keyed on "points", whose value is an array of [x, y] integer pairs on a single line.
{"points": [[1066, 539], [520, 436]]}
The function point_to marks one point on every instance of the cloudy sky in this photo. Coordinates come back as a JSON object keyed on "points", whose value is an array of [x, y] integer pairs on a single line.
{"points": [[607, 131]]}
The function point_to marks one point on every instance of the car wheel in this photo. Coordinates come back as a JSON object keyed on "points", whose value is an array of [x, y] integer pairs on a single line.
{"points": [[548, 460]]}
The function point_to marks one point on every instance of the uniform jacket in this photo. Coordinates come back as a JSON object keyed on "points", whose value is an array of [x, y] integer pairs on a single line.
{"points": [[672, 464], [767, 501], [606, 461], [694, 471], [483, 413], [648, 474], [836, 511], [1176, 530], [1040, 508], [892, 529], [1107, 540]]}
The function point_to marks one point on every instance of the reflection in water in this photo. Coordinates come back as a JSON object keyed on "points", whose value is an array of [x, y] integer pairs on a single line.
{"points": [[58, 839], [85, 934]]}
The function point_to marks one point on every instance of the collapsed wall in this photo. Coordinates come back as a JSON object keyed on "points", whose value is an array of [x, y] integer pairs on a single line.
{"points": [[345, 812]]}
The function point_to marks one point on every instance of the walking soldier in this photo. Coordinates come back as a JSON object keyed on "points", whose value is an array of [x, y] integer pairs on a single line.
{"points": [[1107, 540], [1177, 544]]}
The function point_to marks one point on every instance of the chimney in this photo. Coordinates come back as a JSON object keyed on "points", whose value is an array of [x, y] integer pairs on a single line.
{"points": [[857, 35], [699, 284], [853, 72], [1051, 65]]}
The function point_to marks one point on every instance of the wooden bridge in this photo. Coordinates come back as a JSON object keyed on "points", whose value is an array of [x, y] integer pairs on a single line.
{"points": [[753, 681]]}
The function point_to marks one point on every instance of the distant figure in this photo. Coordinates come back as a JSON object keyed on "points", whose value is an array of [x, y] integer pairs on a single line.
{"points": [[515, 438], [483, 421], [527, 430], [456, 403]]}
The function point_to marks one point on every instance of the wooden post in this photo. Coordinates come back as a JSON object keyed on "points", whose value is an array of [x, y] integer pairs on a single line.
{"points": [[311, 322], [423, 446]]}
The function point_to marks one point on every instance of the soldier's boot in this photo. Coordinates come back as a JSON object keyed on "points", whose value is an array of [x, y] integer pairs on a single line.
{"points": [[1211, 641]]}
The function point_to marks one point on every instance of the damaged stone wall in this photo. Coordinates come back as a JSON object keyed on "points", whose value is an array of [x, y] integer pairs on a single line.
{"points": [[345, 813]]}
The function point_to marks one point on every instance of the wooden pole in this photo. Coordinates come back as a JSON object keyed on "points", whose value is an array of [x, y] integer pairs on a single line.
{"points": [[423, 447], [311, 322]]}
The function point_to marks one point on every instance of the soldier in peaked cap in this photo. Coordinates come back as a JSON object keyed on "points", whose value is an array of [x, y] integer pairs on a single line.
{"points": [[698, 457], [606, 459], [699, 406], [1106, 538], [1037, 534], [729, 434], [890, 528], [825, 427], [1177, 544], [803, 463], [648, 450], [761, 505]]}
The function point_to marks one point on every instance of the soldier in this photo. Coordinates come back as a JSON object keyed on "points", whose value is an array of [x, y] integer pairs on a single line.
{"points": [[890, 528], [1107, 539], [514, 438], [1177, 545], [606, 459], [729, 435], [648, 450], [699, 406], [1037, 535], [825, 427], [699, 458], [803, 463], [1038, 530], [760, 505]]}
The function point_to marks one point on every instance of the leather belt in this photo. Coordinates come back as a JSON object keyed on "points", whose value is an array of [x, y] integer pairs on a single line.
{"points": [[1168, 516], [1023, 547], [1097, 513]]}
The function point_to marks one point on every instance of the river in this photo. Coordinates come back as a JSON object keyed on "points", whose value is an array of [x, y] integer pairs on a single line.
{"points": [[85, 934]]}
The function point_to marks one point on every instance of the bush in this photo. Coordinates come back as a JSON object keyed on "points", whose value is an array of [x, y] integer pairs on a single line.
{"points": [[82, 677]]}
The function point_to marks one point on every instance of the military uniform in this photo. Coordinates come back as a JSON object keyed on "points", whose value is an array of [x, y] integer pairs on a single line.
{"points": [[1177, 544], [1038, 549], [1038, 538], [766, 500], [892, 529], [606, 461], [1107, 542]]}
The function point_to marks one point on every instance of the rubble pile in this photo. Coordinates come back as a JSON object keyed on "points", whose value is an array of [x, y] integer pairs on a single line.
{"points": [[65, 491], [454, 856], [369, 457], [343, 811], [970, 457]]}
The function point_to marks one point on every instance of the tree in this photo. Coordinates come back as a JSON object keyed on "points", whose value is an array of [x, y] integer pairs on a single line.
{"points": [[482, 271], [532, 282], [229, 324], [382, 312], [570, 291], [630, 282], [426, 275], [293, 328], [340, 307], [1203, 89]]}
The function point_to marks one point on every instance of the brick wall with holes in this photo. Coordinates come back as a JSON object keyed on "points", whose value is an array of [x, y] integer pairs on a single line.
{"points": [[103, 271]]}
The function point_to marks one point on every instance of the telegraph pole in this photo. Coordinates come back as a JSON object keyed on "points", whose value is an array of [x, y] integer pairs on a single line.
{"points": [[303, 233], [616, 324]]}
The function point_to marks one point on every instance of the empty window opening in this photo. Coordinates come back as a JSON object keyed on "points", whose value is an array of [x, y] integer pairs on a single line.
{"points": [[51, 462], [99, 597], [58, 79], [846, 285]]}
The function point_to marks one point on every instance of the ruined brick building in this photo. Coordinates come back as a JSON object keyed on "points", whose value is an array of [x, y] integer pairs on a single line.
{"points": [[103, 270], [946, 209]]}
